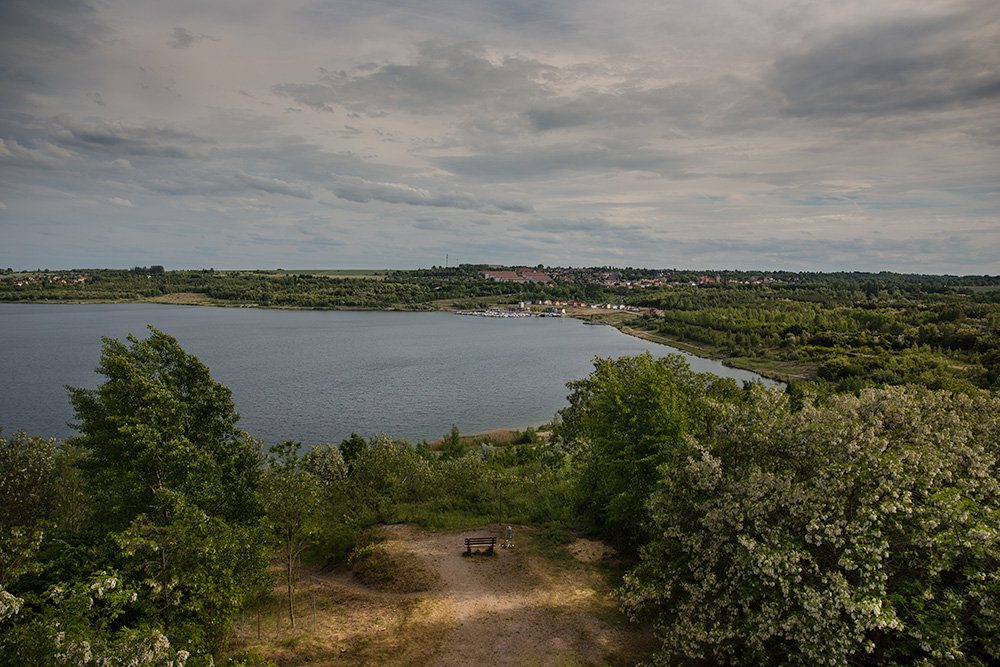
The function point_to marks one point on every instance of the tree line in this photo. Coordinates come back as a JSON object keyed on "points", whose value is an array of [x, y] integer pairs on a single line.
{"points": [[845, 335], [412, 290]]}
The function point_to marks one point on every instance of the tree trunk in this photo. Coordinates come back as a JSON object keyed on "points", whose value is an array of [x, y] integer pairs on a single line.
{"points": [[288, 579]]}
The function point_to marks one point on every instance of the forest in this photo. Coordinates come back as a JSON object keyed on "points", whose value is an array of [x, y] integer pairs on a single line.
{"points": [[785, 526], [846, 335]]}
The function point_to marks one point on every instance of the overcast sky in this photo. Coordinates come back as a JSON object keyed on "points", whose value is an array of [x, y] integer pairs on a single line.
{"points": [[695, 134]]}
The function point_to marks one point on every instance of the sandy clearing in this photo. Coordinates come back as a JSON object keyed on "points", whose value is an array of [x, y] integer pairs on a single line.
{"points": [[516, 607], [512, 608]]}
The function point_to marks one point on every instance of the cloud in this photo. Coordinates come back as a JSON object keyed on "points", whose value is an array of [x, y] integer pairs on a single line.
{"points": [[648, 133], [442, 77], [182, 39], [904, 66], [316, 96], [46, 155], [222, 181], [527, 162], [45, 32], [124, 139], [118, 201], [363, 191]]}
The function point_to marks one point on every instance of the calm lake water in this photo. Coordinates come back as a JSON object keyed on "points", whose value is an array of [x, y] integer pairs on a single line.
{"points": [[318, 376]]}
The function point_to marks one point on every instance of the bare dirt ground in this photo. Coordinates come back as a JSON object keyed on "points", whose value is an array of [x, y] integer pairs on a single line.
{"points": [[530, 605]]}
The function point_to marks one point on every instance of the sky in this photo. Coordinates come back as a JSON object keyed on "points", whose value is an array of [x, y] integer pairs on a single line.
{"points": [[699, 134]]}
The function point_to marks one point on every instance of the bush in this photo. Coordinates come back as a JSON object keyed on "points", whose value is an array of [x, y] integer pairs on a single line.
{"points": [[864, 531]]}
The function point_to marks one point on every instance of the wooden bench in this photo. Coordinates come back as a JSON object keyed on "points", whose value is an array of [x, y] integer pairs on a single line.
{"points": [[488, 542]]}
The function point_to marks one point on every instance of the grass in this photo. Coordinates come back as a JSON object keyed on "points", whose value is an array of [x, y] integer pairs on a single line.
{"points": [[374, 566]]}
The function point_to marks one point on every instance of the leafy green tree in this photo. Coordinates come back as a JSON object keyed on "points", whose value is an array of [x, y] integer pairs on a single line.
{"points": [[451, 446], [193, 574], [72, 505], [388, 472], [861, 531], [627, 418], [293, 494], [28, 491], [159, 421], [28, 498], [327, 464], [352, 448], [176, 487]]}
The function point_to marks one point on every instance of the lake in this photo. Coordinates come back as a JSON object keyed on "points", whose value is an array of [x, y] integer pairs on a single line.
{"points": [[318, 376]]}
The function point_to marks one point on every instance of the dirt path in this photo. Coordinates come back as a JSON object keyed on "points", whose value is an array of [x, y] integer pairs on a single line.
{"points": [[516, 607], [512, 608]]}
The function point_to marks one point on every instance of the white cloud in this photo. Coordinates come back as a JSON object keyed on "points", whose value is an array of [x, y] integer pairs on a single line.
{"points": [[44, 154], [118, 201], [360, 190]]}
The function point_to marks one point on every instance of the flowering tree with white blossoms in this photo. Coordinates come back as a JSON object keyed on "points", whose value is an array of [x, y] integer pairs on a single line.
{"points": [[80, 625], [862, 531]]}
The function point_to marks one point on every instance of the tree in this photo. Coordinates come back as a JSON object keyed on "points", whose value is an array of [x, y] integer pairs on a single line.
{"points": [[159, 421], [293, 494], [176, 487], [352, 448], [27, 480], [81, 624], [861, 531], [28, 496], [627, 418]]}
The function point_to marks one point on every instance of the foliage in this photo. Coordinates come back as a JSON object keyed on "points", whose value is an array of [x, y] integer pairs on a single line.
{"points": [[82, 624], [772, 527], [850, 331], [627, 418], [159, 421], [293, 493], [27, 480], [174, 490], [865, 530], [193, 573]]}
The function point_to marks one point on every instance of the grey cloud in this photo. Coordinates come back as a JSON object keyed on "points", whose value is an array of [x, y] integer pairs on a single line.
{"points": [[530, 162], [182, 39], [316, 96], [430, 224], [582, 225], [45, 155], [443, 77], [271, 185], [909, 65], [205, 182], [686, 104], [362, 191], [45, 31], [932, 253], [595, 230], [119, 138]]}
